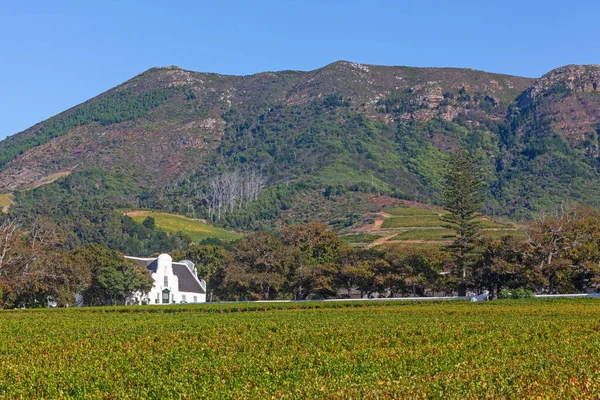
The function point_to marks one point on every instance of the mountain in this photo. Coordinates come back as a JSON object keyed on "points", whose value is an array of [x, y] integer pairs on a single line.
{"points": [[140, 125], [336, 135]]}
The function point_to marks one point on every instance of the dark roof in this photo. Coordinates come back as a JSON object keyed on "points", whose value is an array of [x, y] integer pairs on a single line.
{"points": [[150, 264], [187, 281]]}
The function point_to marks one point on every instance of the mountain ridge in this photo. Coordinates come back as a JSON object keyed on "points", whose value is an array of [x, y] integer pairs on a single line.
{"points": [[168, 125]]}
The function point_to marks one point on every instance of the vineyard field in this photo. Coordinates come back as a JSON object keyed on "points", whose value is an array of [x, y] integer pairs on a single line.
{"points": [[498, 349]]}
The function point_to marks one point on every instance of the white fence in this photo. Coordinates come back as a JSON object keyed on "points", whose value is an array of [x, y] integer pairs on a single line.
{"points": [[471, 298]]}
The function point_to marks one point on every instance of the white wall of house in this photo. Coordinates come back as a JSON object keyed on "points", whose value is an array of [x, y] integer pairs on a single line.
{"points": [[166, 286]]}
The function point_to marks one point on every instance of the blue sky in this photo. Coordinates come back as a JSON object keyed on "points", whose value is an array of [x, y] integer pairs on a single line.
{"points": [[57, 54]]}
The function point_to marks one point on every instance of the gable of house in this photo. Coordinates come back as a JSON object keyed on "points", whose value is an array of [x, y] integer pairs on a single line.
{"points": [[174, 282]]}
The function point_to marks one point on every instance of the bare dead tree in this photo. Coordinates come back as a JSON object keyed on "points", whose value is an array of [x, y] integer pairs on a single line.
{"points": [[8, 232], [230, 190]]}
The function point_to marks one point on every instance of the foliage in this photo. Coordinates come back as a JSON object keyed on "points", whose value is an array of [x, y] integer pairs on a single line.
{"points": [[463, 198], [413, 221], [500, 233], [35, 269], [426, 234], [85, 206], [566, 247], [315, 252], [507, 263], [351, 349], [518, 293], [257, 266], [114, 279], [115, 107], [6, 200], [405, 211], [210, 263], [360, 238]]}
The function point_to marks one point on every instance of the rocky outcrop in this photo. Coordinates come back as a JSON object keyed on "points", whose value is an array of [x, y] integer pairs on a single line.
{"points": [[564, 81]]}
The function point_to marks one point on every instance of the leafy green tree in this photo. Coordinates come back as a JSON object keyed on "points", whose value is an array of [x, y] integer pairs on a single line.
{"points": [[114, 278], [463, 197], [314, 249], [209, 262], [357, 269], [149, 223], [258, 266], [508, 263]]}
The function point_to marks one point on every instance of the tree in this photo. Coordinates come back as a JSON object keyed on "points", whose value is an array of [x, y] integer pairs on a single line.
{"points": [[315, 250], [463, 198], [508, 262], [566, 247], [149, 223], [35, 268], [356, 269], [114, 278], [258, 266], [209, 262]]}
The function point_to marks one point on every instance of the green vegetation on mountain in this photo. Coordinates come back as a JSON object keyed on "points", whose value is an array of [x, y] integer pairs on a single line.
{"points": [[196, 230], [426, 234], [322, 143], [113, 108], [412, 221], [406, 211], [85, 206], [360, 238]]}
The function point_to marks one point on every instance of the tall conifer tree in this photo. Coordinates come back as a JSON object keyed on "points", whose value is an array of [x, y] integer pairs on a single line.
{"points": [[463, 197]]}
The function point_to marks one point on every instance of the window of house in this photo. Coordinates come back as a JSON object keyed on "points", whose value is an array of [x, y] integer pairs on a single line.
{"points": [[183, 298], [166, 281], [172, 298], [195, 299]]}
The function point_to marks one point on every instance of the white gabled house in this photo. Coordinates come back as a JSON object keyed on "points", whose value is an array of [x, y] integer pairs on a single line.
{"points": [[174, 282]]}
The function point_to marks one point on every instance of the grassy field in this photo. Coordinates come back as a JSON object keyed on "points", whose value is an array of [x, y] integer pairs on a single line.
{"points": [[426, 234], [360, 238], [411, 221], [497, 234], [427, 221], [414, 211], [441, 234], [173, 223], [499, 349], [487, 223], [6, 200]]}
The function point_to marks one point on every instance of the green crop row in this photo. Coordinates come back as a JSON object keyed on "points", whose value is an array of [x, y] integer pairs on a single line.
{"points": [[497, 234], [360, 238], [426, 234], [500, 349], [428, 221], [413, 221], [414, 211]]}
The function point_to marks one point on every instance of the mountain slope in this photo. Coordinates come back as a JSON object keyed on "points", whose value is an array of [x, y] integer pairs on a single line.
{"points": [[343, 131], [165, 121]]}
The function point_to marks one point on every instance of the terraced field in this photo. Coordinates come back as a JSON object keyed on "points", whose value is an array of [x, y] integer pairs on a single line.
{"points": [[173, 223], [368, 350], [421, 226]]}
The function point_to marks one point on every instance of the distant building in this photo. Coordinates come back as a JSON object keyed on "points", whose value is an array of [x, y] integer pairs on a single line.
{"points": [[174, 282]]}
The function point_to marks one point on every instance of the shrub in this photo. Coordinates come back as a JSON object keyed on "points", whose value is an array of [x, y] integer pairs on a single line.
{"points": [[518, 293]]}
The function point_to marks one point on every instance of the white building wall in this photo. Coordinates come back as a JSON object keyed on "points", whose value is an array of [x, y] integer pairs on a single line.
{"points": [[187, 297], [155, 296]]}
